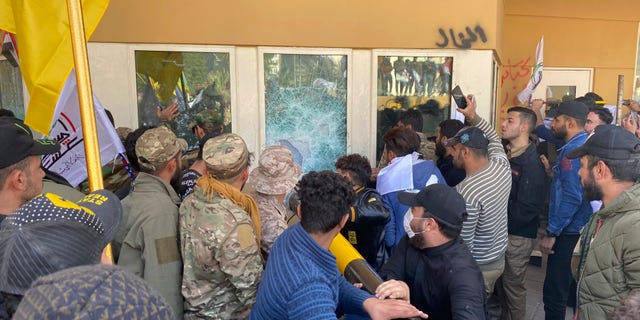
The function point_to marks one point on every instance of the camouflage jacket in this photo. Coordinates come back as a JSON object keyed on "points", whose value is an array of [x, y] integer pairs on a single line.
{"points": [[222, 262], [114, 177], [272, 218]]}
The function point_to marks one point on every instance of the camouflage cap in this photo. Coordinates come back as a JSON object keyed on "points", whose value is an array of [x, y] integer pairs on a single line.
{"points": [[225, 155], [156, 146], [206, 119], [276, 173]]}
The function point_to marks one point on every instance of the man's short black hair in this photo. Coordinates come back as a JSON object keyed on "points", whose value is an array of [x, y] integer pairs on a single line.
{"points": [[448, 230], [130, 146], [110, 116], [6, 113], [593, 95], [402, 141], [588, 101], [621, 170], [325, 197], [450, 127], [526, 115], [358, 166], [412, 117], [603, 114]]}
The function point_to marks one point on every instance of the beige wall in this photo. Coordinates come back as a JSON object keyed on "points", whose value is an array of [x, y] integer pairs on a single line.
{"points": [[578, 33], [409, 24], [602, 35], [249, 25]]}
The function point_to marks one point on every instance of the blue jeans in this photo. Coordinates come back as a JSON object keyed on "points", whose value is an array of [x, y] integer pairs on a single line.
{"points": [[558, 277]]}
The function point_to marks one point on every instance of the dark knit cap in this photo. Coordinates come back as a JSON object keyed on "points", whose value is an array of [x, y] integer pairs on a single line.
{"points": [[92, 292]]}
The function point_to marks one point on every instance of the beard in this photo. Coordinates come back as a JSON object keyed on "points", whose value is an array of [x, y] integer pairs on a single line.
{"points": [[458, 161], [559, 133], [441, 151], [590, 190], [176, 180], [418, 240]]}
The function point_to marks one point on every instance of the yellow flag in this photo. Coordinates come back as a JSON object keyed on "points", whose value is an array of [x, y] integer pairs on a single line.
{"points": [[44, 49]]}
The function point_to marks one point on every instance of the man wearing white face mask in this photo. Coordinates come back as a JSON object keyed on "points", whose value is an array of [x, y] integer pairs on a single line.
{"points": [[432, 268]]}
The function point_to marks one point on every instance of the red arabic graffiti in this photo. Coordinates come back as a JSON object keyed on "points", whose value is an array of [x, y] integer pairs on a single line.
{"points": [[515, 71], [512, 80]]}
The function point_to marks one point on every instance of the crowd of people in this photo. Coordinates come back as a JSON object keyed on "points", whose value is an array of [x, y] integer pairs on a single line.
{"points": [[407, 76], [447, 224]]}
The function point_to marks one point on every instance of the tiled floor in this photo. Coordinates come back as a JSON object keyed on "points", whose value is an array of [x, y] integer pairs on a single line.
{"points": [[535, 307]]}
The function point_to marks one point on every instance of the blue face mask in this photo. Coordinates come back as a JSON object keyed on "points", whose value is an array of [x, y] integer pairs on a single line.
{"points": [[407, 224]]}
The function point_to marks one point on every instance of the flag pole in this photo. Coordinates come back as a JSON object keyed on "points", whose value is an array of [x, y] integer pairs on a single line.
{"points": [[85, 97]]}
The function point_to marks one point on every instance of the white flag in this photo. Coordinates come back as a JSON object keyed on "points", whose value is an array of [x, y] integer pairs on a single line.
{"points": [[70, 161], [536, 74]]}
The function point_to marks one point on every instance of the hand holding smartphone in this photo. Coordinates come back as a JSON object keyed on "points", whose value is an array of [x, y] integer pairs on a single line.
{"points": [[459, 97]]}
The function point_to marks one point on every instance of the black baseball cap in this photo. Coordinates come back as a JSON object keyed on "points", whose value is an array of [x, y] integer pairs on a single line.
{"points": [[49, 233], [18, 143], [439, 200], [472, 137], [574, 109], [609, 142]]}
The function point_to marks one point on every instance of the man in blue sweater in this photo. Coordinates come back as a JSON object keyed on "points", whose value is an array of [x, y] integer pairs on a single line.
{"points": [[301, 280]]}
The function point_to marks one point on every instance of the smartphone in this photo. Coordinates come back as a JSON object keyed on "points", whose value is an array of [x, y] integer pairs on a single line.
{"points": [[458, 96]]}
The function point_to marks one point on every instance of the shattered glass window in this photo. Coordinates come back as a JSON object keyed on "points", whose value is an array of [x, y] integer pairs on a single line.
{"points": [[196, 81], [11, 83], [306, 107], [412, 82]]}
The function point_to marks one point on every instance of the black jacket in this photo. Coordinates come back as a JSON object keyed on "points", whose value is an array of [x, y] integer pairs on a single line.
{"points": [[529, 188], [444, 282], [365, 229]]}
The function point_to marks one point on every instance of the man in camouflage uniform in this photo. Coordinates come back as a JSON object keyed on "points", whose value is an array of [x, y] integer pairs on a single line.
{"points": [[115, 174], [123, 132], [222, 262], [147, 242], [206, 124], [276, 174]]}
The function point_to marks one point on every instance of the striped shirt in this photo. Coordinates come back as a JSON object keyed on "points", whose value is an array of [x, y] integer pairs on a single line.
{"points": [[486, 194]]}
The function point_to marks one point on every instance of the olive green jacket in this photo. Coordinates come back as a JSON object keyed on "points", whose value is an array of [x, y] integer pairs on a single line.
{"points": [[147, 243], [610, 261]]}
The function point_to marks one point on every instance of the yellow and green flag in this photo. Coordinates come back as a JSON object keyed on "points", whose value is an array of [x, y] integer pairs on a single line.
{"points": [[44, 48]]}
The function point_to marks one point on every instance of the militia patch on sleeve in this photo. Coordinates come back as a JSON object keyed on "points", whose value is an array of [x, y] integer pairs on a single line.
{"points": [[246, 236], [167, 250]]}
